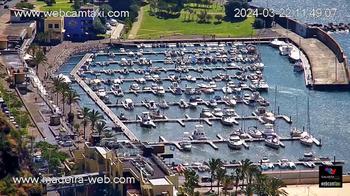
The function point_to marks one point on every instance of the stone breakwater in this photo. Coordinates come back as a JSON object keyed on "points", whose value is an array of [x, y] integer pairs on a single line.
{"points": [[60, 54], [332, 27]]}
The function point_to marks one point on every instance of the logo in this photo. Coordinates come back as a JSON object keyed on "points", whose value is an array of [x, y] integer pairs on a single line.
{"points": [[330, 176], [330, 170]]}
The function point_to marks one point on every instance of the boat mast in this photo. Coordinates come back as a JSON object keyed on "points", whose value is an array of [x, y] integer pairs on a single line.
{"points": [[297, 112], [275, 104], [308, 115]]}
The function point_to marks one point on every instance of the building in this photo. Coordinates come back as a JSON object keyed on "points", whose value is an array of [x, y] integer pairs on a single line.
{"points": [[81, 28], [13, 35], [152, 177], [54, 27]]}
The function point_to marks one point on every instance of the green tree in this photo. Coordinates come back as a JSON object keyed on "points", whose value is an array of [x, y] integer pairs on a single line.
{"points": [[99, 28], [226, 182], [94, 117], [218, 18], [22, 5], [85, 121], [230, 7], [39, 58], [63, 90], [274, 187], [72, 98], [220, 174], [57, 85], [76, 5], [191, 181], [101, 127], [213, 164]]}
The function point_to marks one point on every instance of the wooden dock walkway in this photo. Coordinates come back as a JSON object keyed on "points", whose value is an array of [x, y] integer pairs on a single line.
{"points": [[129, 134]]}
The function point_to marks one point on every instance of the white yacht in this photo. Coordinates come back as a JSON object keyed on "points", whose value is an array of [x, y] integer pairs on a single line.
{"points": [[307, 140], [199, 133], [128, 104], [185, 143], [255, 132], [269, 130], [205, 113], [163, 104], [272, 142], [135, 87], [218, 112], [146, 120], [235, 142], [285, 49]]}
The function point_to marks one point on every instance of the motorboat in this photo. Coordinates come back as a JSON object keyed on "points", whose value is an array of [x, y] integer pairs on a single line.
{"points": [[269, 117], [185, 143], [212, 84], [212, 103], [193, 102], [151, 105], [128, 104], [199, 133], [122, 117], [227, 90], [230, 101], [190, 90], [155, 114], [235, 142], [298, 66], [163, 104], [183, 104], [228, 117], [160, 90], [269, 130], [283, 163], [217, 112], [272, 142], [277, 43], [285, 49], [255, 132], [134, 87], [191, 78], [146, 120], [101, 93], [294, 55], [205, 113], [307, 140], [295, 132]]}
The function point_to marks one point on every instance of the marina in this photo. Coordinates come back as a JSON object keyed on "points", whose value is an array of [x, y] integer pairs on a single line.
{"points": [[137, 100]]}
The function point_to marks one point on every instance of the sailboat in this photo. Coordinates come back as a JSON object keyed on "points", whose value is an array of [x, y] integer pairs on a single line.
{"points": [[295, 132], [307, 139]]}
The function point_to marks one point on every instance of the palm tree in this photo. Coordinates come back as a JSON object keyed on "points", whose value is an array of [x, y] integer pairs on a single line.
{"points": [[101, 127], [94, 117], [63, 90], [72, 97], [274, 187], [244, 169], [57, 84], [213, 166], [85, 121], [237, 175], [252, 172], [260, 186], [220, 174], [191, 181], [38, 58], [226, 182]]}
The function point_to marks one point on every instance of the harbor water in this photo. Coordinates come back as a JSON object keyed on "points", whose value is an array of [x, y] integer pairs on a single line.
{"points": [[329, 115]]}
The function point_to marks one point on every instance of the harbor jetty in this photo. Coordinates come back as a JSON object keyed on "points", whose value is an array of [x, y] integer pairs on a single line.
{"points": [[129, 134]]}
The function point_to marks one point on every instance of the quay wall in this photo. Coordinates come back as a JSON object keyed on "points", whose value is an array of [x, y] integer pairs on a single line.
{"points": [[296, 177], [307, 31]]}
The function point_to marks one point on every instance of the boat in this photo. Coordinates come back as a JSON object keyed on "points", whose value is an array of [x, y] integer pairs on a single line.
{"points": [[235, 142], [277, 43], [160, 91], [294, 55], [199, 133], [295, 132], [272, 142], [255, 132], [190, 90], [183, 104], [205, 113], [229, 101], [285, 49], [269, 130], [283, 163], [128, 104], [228, 117], [268, 117], [151, 105], [146, 120], [134, 87], [122, 116], [227, 90], [217, 112], [298, 66], [155, 114], [185, 143], [307, 140], [212, 103], [163, 104], [309, 164], [101, 93], [193, 102], [308, 154]]}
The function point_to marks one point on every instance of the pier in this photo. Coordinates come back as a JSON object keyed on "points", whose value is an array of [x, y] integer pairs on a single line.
{"points": [[129, 134], [326, 70]]}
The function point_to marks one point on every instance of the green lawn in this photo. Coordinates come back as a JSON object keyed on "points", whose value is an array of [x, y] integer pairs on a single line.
{"points": [[153, 27], [63, 5]]}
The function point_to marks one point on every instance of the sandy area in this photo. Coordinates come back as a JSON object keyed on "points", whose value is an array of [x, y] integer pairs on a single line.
{"points": [[314, 190]]}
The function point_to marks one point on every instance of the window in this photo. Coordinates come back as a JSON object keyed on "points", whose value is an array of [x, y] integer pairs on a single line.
{"points": [[50, 26], [56, 26]]}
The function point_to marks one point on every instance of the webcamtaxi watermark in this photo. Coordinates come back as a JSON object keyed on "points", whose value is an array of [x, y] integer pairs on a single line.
{"points": [[74, 180], [64, 13]]}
